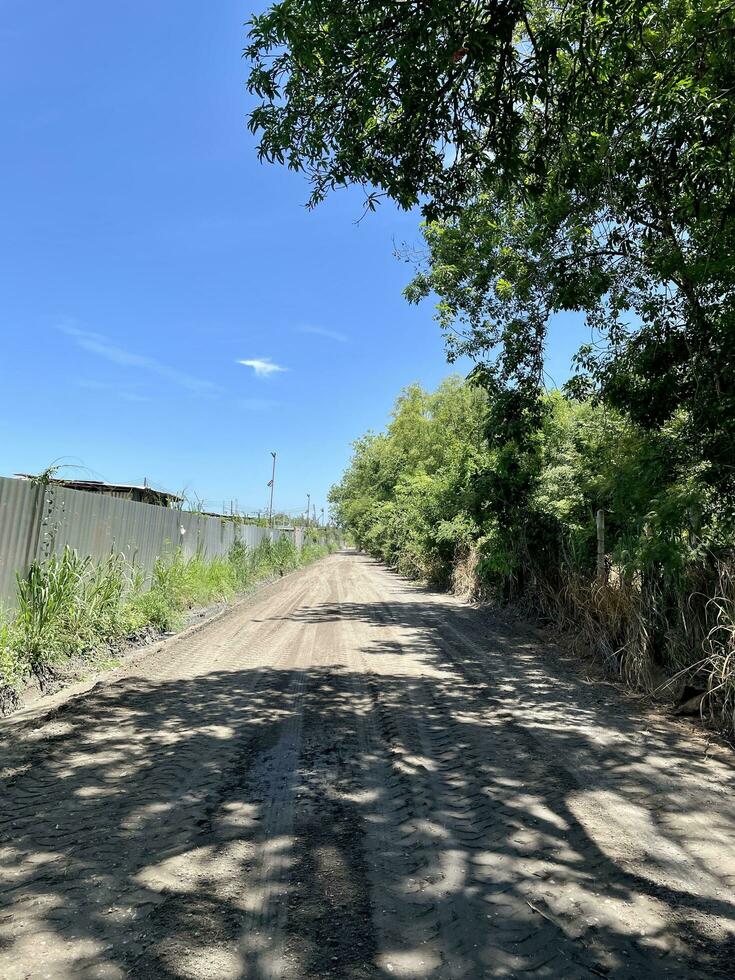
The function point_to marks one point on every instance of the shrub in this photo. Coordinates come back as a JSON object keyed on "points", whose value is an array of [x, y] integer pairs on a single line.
{"points": [[445, 496]]}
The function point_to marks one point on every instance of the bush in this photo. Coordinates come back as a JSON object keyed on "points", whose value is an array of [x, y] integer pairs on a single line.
{"points": [[444, 496]]}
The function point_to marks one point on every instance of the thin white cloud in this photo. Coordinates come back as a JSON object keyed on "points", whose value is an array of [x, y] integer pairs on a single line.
{"points": [[324, 332], [96, 343], [263, 367], [114, 391]]}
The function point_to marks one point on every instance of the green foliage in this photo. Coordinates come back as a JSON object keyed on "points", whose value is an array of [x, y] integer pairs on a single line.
{"points": [[440, 496], [409, 495], [48, 599], [66, 602], [566, 157], [70, 606]]}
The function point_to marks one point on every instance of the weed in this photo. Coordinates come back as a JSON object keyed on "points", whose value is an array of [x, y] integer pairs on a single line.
{"points": [[68, 605], [48, 609]]}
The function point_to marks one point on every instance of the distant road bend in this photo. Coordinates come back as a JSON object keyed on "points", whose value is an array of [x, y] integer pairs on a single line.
{"points": [[352, 777]]}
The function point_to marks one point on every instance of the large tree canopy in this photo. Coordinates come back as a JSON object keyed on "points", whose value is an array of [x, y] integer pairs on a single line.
{"points": [[566, 156]]}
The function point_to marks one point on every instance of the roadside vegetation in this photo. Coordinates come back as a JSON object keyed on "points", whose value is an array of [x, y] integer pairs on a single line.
{"points": [[444, 497], [69, 607], [569, 157]]}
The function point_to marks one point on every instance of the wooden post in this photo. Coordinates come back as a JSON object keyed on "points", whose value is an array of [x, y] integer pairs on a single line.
{"points": [[695, 525], [601, 565]]}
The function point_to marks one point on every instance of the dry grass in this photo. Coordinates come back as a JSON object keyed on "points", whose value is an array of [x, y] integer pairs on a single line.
{"points": [[716, 620], [612, 619], [466, 581], [663, 639]]}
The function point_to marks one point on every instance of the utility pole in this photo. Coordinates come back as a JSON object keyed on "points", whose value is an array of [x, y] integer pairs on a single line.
{"points": [[272, 485], [308, 508], [322, 513], [313, 507]]}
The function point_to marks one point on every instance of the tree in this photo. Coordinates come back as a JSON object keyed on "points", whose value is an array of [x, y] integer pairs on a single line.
{"points": [[409, 494], [574, 156]]}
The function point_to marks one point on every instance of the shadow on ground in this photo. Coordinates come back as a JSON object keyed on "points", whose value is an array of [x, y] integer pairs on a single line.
{"points": [[455, 822]]}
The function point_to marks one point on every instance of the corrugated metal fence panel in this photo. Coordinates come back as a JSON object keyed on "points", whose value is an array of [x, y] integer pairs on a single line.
{"points": [[212, 537], [253, 535], [207, 535], [98, 525], [37, 522], [20, 507]]}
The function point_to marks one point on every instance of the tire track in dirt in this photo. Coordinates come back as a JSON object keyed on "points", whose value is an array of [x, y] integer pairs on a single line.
{"points": [[329, 911], [450, 824], [246, 837], [571, 909], [353, 778], [157, 755]]}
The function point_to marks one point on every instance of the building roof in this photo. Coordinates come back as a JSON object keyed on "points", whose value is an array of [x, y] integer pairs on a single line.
{"points": [[100, 486]]}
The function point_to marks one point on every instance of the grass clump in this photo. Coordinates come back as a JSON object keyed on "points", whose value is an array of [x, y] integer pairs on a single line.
{"points": [[71, 606], [66, 605]]}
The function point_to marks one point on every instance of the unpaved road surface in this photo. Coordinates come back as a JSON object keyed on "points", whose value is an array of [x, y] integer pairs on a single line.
{"points": [[351, 777]]}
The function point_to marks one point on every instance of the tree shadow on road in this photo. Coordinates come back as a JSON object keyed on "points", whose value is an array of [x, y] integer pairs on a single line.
{"points": [[329, 821]]}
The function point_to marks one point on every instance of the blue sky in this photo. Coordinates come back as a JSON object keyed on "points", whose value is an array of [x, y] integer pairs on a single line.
{"points": [[147, 257]]}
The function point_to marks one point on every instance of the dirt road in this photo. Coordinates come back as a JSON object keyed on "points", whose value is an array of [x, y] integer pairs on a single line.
{"points": [[351, 777]]}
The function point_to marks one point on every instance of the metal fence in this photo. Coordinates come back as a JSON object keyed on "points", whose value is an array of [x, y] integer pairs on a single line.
{"points": [[37, 522]]}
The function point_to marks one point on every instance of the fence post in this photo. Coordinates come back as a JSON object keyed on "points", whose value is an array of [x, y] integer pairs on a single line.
{"points": [[601, 564]]}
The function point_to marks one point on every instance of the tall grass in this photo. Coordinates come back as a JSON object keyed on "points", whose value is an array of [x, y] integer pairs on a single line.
{"points": [[70, 606], [662, 633]]}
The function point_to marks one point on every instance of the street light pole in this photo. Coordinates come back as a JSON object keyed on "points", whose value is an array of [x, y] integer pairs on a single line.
{"points": [[272, 485]]}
